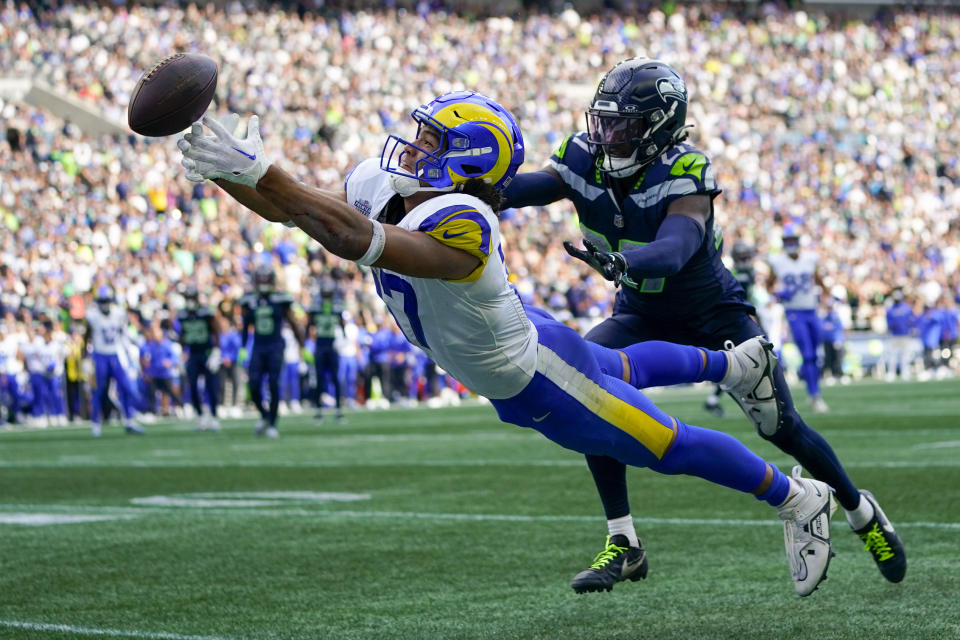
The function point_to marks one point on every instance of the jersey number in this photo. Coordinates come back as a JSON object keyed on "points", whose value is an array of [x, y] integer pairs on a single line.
{"points": [[647, 285], [394, 289], [264, 323]]}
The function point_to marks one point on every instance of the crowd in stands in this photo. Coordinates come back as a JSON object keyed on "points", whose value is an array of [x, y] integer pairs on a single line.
{"points": [[846, 128]]}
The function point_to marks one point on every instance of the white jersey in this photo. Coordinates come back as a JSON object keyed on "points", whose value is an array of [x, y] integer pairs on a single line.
{"points": [[475, 328], [108, 330], [796, 279], [10, 363], [44, 357], [291, 348]]}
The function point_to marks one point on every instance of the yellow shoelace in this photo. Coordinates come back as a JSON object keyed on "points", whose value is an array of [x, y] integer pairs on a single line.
{"points": [[876, 543], [604, 557]]}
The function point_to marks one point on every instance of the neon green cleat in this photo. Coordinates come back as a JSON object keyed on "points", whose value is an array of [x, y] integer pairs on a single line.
{"points": [[883, 543], [616, 563]]}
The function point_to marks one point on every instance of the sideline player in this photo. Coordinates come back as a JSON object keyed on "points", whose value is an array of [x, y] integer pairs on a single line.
{"points": [[106, 333], [644, 199], [425, 220], [797, 283], [200, 336], [326, 318], [264, 311]]}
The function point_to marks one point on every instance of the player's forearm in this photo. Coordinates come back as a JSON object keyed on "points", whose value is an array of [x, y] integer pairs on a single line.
{"points": [[535, 188], [325, 218], [248, 197], [678, 238]]}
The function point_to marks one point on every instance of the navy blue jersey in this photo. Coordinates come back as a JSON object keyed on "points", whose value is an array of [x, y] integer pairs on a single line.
{"points": [[195, 331], [325, 316], [622, 216], [266, 313], [747, 277]]}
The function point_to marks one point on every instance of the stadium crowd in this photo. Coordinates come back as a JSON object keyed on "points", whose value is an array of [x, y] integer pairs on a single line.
{"points": [[845, 128]]}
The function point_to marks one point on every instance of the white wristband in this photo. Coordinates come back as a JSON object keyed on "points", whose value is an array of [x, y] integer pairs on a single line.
{"points": [[377, 243]]}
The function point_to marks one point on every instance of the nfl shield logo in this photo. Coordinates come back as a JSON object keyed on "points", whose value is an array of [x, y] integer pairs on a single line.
{"points": [[618, 220]]}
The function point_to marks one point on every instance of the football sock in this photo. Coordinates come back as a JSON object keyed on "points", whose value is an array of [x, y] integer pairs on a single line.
{"points": [[859, 517], [723, 460], [624, 527], [659, 364], [795, 492], [610, 476]]}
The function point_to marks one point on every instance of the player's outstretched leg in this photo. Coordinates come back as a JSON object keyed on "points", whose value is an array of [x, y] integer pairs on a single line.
{"points": [[572, 402]]}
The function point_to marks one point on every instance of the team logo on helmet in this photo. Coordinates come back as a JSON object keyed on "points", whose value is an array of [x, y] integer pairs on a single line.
{"points": [[674, 88]]}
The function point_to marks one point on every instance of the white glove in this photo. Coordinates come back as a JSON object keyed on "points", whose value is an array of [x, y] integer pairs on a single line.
{"points": [[224, 156], [213, 360], [197, 170]]}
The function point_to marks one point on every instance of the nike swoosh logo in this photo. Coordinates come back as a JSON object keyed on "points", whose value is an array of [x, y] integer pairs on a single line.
{"points": [[244, 153], [689, 165], [447, 234], [543, 417]]}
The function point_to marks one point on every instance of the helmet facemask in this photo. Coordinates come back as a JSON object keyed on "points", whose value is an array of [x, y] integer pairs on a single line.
{"points": [[624, 143], [478, 139]]}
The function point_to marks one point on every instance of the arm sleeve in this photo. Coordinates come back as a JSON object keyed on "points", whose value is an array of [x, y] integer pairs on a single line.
{"points": [[678, 238], [534, 188]]}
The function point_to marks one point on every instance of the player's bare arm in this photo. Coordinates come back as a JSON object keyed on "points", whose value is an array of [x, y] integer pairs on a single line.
{"points": [[295, 326], [345, 232], [248, 197]]}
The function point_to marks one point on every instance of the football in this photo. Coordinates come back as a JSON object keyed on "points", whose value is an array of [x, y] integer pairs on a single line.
{"points": [[173, 95]]}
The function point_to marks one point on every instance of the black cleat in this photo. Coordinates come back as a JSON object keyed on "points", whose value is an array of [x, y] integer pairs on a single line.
{"points": [[616, 563], [883, 543]]}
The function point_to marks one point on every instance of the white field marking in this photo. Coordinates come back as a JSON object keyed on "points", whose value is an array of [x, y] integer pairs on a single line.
{"points": [[950, 444], [247, 499], [350, 440], [93, 631], [472, 517], [46, 519], [167, 453], [79, 459]]}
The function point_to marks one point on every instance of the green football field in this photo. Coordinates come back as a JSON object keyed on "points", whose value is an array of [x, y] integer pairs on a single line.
{"points": [[444, 523]]}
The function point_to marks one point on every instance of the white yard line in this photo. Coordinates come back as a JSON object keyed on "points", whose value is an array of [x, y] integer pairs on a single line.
{"points": [[424, 515], [108, 633]]}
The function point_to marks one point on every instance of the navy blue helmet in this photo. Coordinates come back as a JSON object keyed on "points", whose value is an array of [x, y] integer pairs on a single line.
{"points": [[265, 278], [639, 109]]}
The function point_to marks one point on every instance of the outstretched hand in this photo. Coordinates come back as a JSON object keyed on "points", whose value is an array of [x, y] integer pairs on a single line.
{"points": [[611, 265], [221, 155]]}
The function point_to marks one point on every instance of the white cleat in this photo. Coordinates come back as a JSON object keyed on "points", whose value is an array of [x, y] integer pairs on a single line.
{"points": [[819, 406], [272, 433], [806, 533], [95, 430], [261, 428], [213, 424], [749, 381]]}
